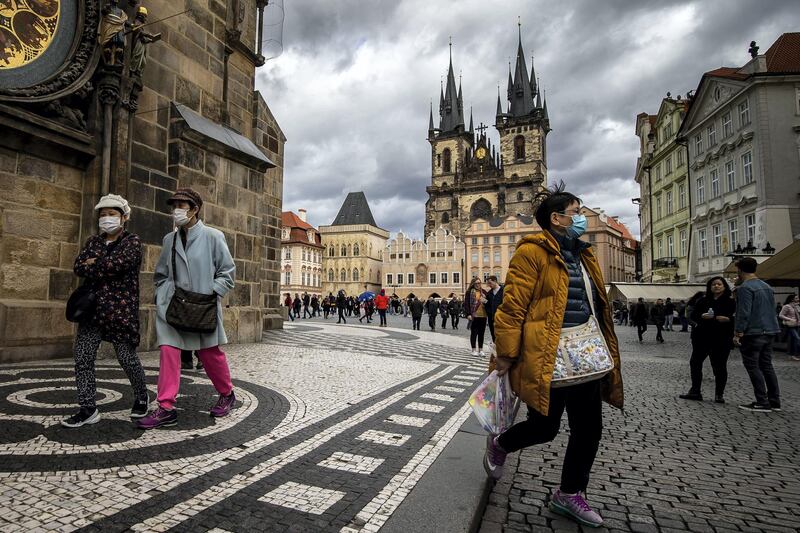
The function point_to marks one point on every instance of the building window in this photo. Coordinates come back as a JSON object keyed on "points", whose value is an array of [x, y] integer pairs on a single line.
{"points": [[443, 278], [485, 257], [680, 157], [456, 278], [682, 237], [474, 240], [714, 183], [592, 237], [747, 167], [658, 207], [332, 251], [400, 279], [497, 256], [519, 148], [716, 232], [445, 217], [670, 246], [432, 278], [701, 190], [744, 114], [520, 196], [669, 202], [446, 165], [712, 135], [733, 234], [355, 274], [344, 251], [474, 255], [702, 241], [750, 227], [658, 172], [660, 248], [486, 240], [730, 176], [668, 163], [698, 144], [330, 275], [305, 255], [682, 196], [727, 125], [389, 279], [497, 239], [512, 239], [356, 250], [409, 277], [287, 278], [343, 275]]}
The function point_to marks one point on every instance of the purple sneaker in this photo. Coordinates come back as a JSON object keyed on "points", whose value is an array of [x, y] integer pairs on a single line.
{"points": [[224, 405], [575, 507], [158, 419], [494, 459]]}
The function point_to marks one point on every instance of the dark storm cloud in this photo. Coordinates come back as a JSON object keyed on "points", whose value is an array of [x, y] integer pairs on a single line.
{"points": [[353, 87]]}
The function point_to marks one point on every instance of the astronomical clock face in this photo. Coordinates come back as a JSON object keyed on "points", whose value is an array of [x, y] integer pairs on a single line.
{"points": [[480, 153], [27, 28]]}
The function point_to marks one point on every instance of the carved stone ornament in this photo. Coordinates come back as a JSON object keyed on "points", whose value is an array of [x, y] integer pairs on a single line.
{"points": [[48, 48]]}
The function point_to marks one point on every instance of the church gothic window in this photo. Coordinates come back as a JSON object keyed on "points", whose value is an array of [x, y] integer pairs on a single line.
{"points": [[331, 252], [355, 250], [330, 274], [445, 218], [343, 275], [344, 251], [519, 147], [446, 164], [355, 274], [481, 209], [519, 196]]}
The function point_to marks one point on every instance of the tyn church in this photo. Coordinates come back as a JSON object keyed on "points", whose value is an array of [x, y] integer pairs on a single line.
{"points": [[471, 178]]}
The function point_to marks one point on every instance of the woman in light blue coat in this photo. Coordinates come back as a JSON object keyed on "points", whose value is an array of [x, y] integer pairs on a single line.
{"points": [[203, 264]]}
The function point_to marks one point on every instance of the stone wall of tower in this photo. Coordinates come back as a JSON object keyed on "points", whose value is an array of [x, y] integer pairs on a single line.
{"points": [[534, 163]]}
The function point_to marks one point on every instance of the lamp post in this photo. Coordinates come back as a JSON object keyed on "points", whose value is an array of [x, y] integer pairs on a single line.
{"points": [[768, 249]]}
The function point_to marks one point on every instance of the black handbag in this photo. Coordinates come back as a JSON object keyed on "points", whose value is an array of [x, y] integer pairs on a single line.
{"points": [[191, 311], [81, 304]]}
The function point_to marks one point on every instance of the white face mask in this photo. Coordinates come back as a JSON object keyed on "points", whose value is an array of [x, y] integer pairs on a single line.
{"points": [[110, 225], [180, 216]]}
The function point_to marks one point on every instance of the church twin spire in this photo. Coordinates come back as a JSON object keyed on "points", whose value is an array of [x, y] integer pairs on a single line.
{"points": [[451, 103]]}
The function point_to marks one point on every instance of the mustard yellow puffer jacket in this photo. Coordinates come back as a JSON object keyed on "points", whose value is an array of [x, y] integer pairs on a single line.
{"points": [[528, 323]]}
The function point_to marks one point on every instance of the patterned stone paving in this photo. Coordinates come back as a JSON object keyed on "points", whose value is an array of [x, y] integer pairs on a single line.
{"points": [[325, 436]]}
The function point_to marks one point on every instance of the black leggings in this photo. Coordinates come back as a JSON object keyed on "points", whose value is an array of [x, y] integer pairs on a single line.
{"points": [[341, 316], [585, 413], [476, 331], [718, 351]]}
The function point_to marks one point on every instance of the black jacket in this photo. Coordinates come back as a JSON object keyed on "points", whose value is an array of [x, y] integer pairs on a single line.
{"points": [[578, 309], [416, 307], [494, 301], [657, 314], [432, 307], [712, 331]]}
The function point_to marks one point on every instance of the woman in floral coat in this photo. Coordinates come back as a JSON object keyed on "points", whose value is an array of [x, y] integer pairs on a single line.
{"points": [[109, 262]]}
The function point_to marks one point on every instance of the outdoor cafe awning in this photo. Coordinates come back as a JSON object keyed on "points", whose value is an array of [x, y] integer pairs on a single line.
{"points": [[782, 268], [630, 292]]}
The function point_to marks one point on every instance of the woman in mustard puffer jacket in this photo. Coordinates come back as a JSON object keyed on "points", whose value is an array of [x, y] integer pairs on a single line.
{"points": [[545, 292]]}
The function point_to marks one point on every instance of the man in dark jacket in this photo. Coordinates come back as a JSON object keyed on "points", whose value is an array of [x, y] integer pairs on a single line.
{"points": [[444, 313], [306, 303], [639, 317], [341, 305], [657, 314], [669, 312], [432, 308], [495, 298], [416, 307], [454, 308]]}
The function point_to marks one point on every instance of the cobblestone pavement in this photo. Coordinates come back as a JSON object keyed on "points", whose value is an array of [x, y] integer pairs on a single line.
{"points": [[668, 464], [333, 428]]}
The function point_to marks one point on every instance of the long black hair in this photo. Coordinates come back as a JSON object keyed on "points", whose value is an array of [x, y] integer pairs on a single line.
{"points": [[726, 294], [789, 299], [553, 200]]}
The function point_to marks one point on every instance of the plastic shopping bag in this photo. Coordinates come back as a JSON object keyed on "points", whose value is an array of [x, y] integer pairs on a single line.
{"points": [[494, 404]]}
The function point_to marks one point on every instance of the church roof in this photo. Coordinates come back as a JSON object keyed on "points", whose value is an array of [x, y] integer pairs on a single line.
{"points": [[355, 210], [451, 104]]}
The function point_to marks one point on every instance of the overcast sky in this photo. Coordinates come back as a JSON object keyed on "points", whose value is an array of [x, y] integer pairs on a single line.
{"points": [[353, 86]]}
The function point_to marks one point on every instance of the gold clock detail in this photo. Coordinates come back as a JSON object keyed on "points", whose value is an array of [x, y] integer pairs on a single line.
{"points": [[480, 153]]}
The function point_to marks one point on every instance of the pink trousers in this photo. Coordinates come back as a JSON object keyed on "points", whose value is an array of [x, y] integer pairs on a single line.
{"points": [[169, 373]]}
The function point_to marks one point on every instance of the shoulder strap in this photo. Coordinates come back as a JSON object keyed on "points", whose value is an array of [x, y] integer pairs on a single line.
{"points": [[588, 282], [174, 240]]}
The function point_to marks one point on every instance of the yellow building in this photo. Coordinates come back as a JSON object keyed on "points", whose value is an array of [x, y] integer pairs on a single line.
{"points": [[434, 267], [491, 243], [353, 249]]}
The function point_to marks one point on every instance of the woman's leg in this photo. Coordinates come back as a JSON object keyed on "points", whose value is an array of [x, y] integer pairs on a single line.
{"points": [[794, 341], [537, 429], [481, 327], [473, 334], [87, 341], [719, 364], [699, 354], [169, 376], [585, 412], [216, 365], [132, 365]]}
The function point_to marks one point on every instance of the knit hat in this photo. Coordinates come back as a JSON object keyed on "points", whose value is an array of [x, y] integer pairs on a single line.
{"points": [[114, 201], [186, 194]]}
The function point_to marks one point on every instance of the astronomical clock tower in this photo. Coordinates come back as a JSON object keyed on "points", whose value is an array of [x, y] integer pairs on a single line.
{"points": [[471, 177]]}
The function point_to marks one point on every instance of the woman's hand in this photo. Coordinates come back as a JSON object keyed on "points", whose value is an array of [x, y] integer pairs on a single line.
{"points": [[502, 365], [723, 319], [90, 261], [706, 316]]}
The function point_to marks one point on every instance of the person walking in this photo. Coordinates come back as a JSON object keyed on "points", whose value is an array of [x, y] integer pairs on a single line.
{"points": [[298, 304], [351, 305], [288, 303], [443, 312], [454, 308], [382, 305], [341, 306], [494, 298], [639, 317], [790, 317], [432, 308], [415, 307], [475, 303], [109, 264], [326, 305], [657, 314], [712, 338], [546, 287], [314, 306], [306, 304], [669, 314], [681, 309], [755, 328], [194, 258]]}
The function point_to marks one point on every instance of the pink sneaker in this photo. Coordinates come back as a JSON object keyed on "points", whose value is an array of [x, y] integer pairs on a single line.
{"points": [[494, 459], [223, 406], [158, 419], [574, 506]]}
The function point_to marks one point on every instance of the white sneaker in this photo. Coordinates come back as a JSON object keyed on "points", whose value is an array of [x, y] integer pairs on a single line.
{"points": [[474, 352], [482, 354]]}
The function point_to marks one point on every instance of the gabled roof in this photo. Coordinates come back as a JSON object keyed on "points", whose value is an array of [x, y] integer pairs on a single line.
{"points": [[291, 220], [784, 54], [354, 210]]}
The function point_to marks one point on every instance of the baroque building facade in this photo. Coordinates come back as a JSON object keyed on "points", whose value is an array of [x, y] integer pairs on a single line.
{"points": [[490, 244], [470, 177], [353, 249], [422, 268], [137, 111], [743, 135], [301, 255]]}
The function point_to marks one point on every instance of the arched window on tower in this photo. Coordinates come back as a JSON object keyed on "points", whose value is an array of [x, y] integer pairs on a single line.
{"points": [[356, 250], [330, 274], [343, 275], [519, 196], [331, 252], [446, 164], [344, 251], [355, 274], [519, 148], [445, 217]]}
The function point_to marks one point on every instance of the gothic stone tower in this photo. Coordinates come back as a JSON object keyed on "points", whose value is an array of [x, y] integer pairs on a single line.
{"points": [[472, 179]]}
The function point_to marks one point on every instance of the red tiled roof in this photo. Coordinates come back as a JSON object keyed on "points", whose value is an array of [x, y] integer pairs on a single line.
{"points": [[289, 219], [727, 72], [784, 54], [622, 228]]}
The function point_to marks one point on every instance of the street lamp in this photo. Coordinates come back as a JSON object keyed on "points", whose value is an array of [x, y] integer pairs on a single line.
{"points": [[769, 250], [749, 249]]}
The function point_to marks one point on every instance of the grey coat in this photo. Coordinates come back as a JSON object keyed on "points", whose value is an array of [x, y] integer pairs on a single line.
{"points": [[204, 266]]}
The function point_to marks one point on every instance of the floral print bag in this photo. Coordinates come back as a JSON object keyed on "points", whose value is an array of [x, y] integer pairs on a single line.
{"points": [[582, 353]]}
